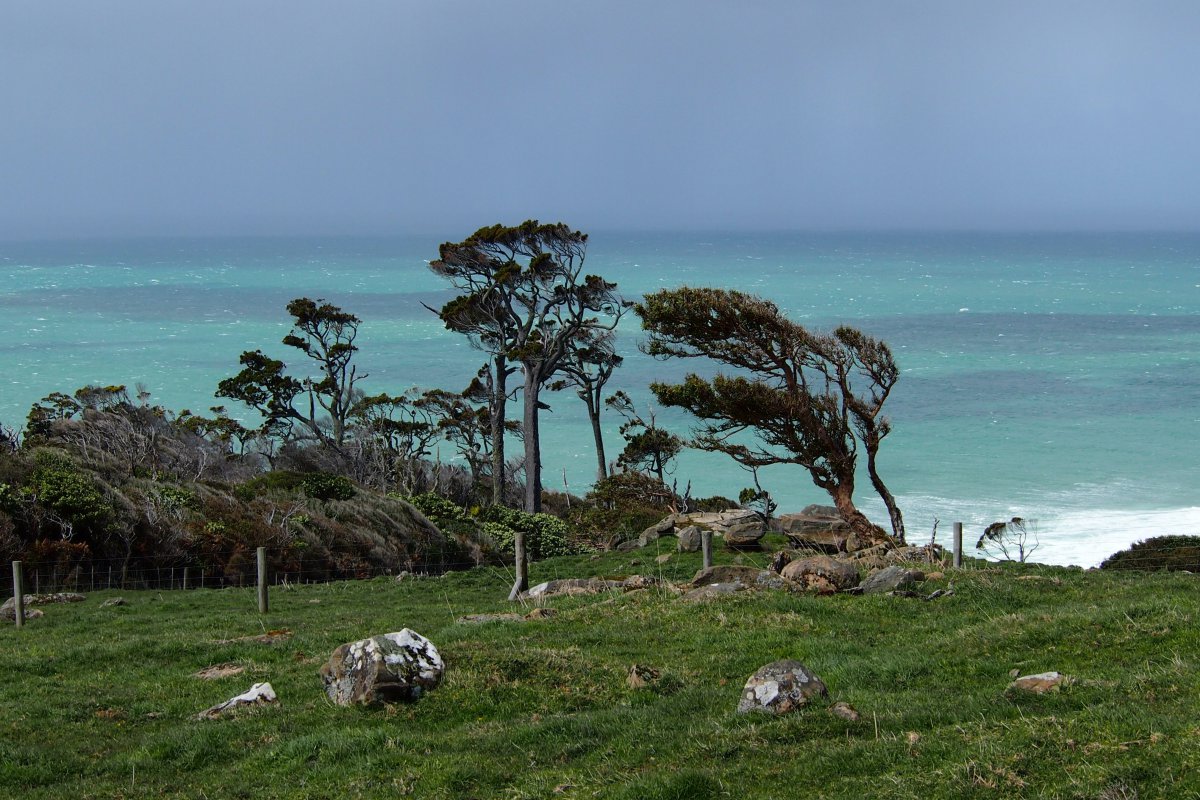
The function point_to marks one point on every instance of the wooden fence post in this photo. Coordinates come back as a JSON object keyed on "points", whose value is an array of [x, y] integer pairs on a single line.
{"points": [[185, 570], [262, 580], [18, 594], [957, 545], [706, 547]]}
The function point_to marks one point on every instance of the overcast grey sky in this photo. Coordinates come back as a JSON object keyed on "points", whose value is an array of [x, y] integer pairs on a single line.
{"points": [[153, 117]]}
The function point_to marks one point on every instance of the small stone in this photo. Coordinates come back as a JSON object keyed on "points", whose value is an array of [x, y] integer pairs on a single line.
{"points": [[844, 710], [781, 687], [1014, 673], [662, 559], [260, 694], [113, 601], [541, 613], [641, 676], [935, 576], [1041, 683]]}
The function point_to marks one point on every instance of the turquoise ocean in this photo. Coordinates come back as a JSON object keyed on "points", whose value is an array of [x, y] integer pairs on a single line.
{"points": [[1054, 377]]}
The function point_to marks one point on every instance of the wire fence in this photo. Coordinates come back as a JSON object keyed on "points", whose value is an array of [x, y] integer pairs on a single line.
{"points": [[239, 569]]}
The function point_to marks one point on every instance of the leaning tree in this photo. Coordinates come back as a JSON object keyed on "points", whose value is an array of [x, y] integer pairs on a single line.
{"points": [[525, 299], [325, 334], [808, 398]]}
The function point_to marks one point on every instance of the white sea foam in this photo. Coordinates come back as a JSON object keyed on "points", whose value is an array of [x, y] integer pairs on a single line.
{"points": [[1068, 530]]}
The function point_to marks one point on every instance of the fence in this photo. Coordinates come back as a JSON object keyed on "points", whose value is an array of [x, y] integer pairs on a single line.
{"points": [[240, 569]]}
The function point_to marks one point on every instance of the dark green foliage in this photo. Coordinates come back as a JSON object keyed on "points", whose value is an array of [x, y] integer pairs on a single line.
{"points": [[545, 535], [276, 481], [322, 486], [1158, 553], [798, 397]]}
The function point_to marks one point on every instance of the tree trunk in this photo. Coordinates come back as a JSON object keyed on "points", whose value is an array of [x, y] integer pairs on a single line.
{"points": [[868, 533], [498, 391], [520, 566], [888, 500], [533, 450], [593, 407]]}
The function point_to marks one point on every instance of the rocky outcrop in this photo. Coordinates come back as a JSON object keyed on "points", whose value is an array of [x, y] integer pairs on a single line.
{"points": [[714, 591], [822, 574], [739, 528], [891, 579], [781, 687], [749, 577], [260, 694], [390, 668], [818, 528]]}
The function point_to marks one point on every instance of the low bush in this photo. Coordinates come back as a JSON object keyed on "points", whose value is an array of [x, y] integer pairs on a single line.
{"points": [[1159, 553]]}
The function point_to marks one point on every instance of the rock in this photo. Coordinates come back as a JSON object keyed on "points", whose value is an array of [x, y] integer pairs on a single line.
{"points": [[822, 574], [890, 579], [781, 560], [641, 676], [625, 547], [817, 527], [541, 613], [935, 576], [383, 669], [219, 671], [714, 591], [9, 609], [1041, 683], [750, 577], [908, 554], [689, 540], [113, 601], [635, 582], [649, 535], [844, 710], [570, 587], [781, 687], [484, 619], [744, 535], [403, 575], [662, 559], [260, 694]]}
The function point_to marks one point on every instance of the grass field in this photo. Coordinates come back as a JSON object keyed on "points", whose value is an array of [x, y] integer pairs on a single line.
{"points": [[102, 702]]}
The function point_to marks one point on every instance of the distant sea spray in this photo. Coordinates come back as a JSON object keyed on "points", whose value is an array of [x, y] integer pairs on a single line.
{"points": [[1048, 376]]}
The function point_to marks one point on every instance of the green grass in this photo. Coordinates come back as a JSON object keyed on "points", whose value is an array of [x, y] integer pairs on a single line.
{"points": [[101, 703]]}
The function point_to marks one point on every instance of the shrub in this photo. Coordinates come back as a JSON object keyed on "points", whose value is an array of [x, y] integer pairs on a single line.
{"points": [[545, 535], [323, 486], [1159, 552]]}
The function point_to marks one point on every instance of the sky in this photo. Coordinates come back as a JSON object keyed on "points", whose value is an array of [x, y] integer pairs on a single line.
{"points": [[161, 117]]}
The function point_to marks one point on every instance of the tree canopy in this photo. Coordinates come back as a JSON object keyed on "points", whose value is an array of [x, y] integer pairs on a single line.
{"points": [[810, 399]]}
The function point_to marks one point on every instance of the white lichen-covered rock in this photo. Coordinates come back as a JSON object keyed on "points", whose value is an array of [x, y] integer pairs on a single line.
{"points": [[1041, 683], [389, 668], [780, 687], [260, 694]]}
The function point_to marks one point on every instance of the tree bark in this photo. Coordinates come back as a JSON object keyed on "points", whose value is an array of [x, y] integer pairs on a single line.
{"points": [[498, 389], [533, 450], [888, 500], [868, 532]]}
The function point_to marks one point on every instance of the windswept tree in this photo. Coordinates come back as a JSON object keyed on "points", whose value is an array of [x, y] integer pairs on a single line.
{"points": [[525, 299], [325, 334], [649, 449], [589, 364], [808, 399]]}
